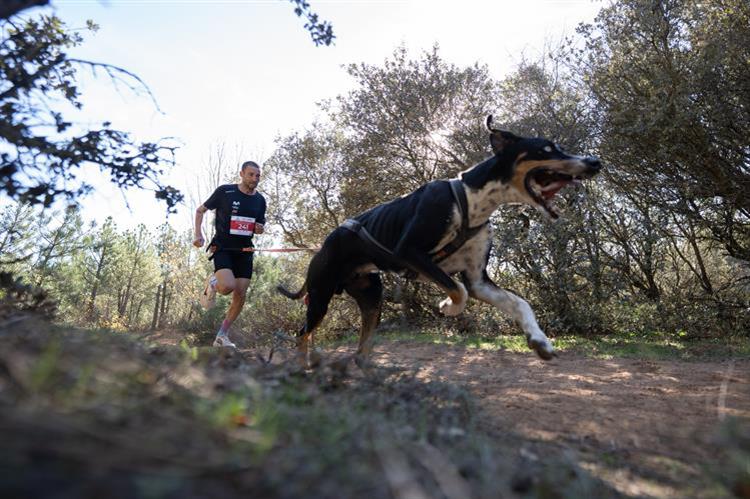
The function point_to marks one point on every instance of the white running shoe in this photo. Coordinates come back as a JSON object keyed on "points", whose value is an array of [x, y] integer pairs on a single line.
{"points": [[208, 297], [222, 340]]}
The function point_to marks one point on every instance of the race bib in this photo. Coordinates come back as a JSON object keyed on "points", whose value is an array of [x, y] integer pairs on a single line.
{"points": [[241, 226]]}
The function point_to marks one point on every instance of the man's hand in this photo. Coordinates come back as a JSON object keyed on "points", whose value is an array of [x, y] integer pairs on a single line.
{"points": [[198, 242], [259, 228]]}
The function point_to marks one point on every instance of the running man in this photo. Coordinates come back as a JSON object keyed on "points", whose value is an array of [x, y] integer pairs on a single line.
{"points": [[240, 213]]}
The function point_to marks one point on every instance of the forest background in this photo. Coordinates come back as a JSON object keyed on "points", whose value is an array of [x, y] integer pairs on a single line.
{"points": [[659, 243]]}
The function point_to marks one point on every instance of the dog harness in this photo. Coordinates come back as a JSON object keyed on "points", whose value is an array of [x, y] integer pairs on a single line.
{"points": [[464, 233]]}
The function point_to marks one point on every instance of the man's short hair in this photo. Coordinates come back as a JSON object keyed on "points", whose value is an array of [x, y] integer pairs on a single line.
{"points": [[247, 164]]}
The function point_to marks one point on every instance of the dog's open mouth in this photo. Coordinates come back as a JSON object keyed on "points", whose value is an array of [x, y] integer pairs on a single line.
{"points": [[543, 184]]}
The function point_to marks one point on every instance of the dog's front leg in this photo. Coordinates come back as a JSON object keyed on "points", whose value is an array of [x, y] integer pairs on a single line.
{"points": [[487, 291], [421, 263], [458, 296], [456, 301]]}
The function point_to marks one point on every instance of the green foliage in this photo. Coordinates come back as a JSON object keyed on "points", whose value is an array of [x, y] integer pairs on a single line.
{"points": [[671, 78], [321, 32], [103, 276], [42, 150], [658, 242], [267, 310]]}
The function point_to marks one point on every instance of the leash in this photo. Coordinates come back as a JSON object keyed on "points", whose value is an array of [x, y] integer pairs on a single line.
{"points": [[278, 250], [251, 249]]}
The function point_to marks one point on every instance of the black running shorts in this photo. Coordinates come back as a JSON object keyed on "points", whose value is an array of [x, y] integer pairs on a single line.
{"points": [[239, 262]]}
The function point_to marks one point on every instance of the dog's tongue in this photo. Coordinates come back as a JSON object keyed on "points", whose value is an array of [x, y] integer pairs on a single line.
{"points": [[549, 190]]}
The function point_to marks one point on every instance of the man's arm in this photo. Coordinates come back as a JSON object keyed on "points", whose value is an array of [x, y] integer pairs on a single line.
{"points": [[261, 221], [198, 242]]}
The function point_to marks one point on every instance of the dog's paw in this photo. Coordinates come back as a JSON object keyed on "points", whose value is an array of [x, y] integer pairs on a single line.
{"points": [[543, 347], [449, 308]]}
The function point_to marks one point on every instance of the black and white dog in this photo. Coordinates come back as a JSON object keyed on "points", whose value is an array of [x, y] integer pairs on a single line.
{"points": [[439, 230]]}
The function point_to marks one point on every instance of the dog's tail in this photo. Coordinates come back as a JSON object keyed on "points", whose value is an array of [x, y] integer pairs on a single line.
{"points": [[294, 296]]}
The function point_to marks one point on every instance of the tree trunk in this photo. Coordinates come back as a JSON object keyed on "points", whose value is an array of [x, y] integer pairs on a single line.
{"points": [[131, 275], [95, 286], [155, 317], [165, 298]]}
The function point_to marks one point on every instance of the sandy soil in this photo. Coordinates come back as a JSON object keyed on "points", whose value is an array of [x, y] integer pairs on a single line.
{"points": [[646, 427]]}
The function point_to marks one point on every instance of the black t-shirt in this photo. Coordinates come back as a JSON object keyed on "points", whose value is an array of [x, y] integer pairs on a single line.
{"points": [[236, 215]]}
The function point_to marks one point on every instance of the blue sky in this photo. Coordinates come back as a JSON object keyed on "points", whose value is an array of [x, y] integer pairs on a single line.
{"points": [[244, 72]]}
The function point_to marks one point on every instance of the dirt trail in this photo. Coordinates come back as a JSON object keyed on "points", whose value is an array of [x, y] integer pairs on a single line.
{"points": [[647, 427]]}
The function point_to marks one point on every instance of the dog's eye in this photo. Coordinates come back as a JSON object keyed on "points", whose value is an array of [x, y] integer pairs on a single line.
{"points": [[547, 148]]}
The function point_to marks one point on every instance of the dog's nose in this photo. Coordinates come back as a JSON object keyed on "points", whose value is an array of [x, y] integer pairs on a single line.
{"points": [[593, 164]]}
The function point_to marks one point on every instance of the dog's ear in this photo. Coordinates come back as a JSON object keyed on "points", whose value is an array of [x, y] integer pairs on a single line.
{"points": [[499, 139], [489, 122]]}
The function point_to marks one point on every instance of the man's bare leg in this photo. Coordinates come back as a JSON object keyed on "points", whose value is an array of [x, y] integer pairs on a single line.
{"points": [[238, 290]]}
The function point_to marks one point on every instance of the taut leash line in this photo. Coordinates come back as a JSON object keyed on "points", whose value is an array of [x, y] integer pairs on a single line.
{"points": [[250, 249]]}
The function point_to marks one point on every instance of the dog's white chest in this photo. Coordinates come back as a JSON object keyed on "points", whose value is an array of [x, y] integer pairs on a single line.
{"points": [[471, 257]]}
